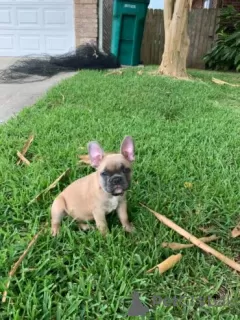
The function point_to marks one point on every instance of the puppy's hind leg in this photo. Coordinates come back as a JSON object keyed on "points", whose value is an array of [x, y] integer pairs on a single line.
{"points": [[58, 211]]}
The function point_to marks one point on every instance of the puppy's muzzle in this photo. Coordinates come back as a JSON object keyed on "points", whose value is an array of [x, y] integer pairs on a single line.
{"points": [[117, 183], [117, 180]]}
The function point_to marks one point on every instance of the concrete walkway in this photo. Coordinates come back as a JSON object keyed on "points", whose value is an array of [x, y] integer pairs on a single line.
{"points": [[14, 97]]}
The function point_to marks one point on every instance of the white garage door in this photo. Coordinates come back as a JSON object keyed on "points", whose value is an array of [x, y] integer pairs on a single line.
{"points": [[36, 27]]}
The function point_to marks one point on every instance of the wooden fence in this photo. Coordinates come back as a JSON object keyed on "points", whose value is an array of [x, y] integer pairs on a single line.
{"points": [[201, 29]]}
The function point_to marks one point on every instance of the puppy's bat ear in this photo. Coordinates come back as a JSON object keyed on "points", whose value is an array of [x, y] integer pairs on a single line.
{"points": [[95, 153], [127, 148]]}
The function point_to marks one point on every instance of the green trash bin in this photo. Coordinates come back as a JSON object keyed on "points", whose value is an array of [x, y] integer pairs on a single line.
{"points": [[127, 30]]}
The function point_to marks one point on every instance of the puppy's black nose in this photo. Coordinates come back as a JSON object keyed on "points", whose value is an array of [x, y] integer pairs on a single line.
{"points": [[117, 179]]}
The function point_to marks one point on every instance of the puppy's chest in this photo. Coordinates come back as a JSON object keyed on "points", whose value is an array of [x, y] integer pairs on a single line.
{"points": [[111, 204]]}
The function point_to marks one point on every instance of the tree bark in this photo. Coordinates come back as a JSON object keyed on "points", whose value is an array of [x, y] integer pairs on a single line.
{"points": [[176, 38]]}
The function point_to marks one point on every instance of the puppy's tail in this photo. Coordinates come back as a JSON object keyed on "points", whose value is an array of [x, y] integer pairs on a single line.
{"points": [[31, 69]]}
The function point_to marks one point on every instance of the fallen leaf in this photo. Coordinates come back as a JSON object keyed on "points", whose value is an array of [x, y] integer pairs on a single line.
{"points": [[221, 82], [167, 264], [140, 72], [236, 231], [53, 185], [26, 147], [188, 185], [179, 246]]}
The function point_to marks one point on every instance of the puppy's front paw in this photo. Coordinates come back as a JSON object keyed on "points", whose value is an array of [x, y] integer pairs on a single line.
{"points": [[54, 231], [103, 230], [129, 228]]}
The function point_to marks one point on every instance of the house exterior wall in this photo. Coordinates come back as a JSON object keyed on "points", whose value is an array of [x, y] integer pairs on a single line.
{"points": [[215, 3], [235, 3], [199, 4], [86, 21]]}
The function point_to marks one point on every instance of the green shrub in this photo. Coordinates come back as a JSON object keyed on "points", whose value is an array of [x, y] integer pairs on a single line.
{"points": [[225, 55]]}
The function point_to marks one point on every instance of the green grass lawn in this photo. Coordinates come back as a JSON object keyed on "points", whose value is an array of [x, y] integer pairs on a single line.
{"points": [[185, 131]]}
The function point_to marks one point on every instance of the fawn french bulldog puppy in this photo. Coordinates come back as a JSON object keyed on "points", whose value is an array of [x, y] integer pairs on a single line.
{"points": [[97, 194]]}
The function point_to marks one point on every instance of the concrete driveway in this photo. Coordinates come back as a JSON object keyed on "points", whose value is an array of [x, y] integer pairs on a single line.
{"points": [[14, 97]]}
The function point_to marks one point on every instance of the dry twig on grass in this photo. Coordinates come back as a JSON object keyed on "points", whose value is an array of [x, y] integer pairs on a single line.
{"points": [[53, 185], [179, 246], [236, 231], [86, 159], [167, 264], [63, 98], [153, 73], [17, 264], [221, 82], [26, 147], [206, 230], [114, 72], [197, 242], [22, 158]]}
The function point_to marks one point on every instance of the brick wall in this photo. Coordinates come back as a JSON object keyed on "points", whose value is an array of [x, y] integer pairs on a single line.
{"points": [[86, 21], [197, 4], [235, 3], [215, 3]]}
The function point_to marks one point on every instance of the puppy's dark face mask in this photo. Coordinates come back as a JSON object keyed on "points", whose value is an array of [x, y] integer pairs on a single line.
{"points": [[116, 179]]}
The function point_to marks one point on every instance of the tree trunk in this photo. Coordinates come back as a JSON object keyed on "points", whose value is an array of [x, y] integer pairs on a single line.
{"points": [[176, 38]]}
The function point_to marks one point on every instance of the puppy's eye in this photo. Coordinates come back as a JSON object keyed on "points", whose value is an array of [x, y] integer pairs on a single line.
{"points": [[126, 170], [103, 174]]}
